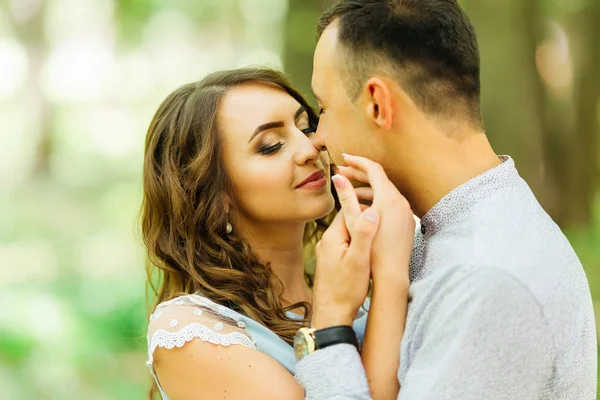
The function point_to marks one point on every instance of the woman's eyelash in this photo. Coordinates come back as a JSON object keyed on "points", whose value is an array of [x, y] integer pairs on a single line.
{"points": [[266, 150]]}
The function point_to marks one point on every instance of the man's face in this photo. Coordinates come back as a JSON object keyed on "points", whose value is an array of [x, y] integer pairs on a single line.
{"points": [[342, 126]]}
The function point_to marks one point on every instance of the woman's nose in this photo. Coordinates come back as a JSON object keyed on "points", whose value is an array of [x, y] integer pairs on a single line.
{"points": [[307, 151], [318, 139]]}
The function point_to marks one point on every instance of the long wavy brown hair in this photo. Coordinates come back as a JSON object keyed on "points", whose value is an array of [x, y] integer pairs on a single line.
{"points": [[182, 218]]}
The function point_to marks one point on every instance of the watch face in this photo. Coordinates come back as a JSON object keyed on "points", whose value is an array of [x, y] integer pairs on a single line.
{"points": [[300, 345], [304, 343]]}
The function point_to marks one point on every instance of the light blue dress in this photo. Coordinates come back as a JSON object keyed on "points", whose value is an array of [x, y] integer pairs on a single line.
{"points": [[189, 317]]}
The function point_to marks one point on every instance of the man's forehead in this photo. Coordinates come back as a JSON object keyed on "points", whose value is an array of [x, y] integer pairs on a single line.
{"points": [[324, 55], [326, 46]]}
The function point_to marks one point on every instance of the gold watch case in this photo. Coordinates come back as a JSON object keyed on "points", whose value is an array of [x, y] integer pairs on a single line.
{"points": [[304, 342]]}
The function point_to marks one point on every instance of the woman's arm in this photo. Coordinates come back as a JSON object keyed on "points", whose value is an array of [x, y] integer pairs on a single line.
{"points": [[197, 353], [202, 370], [381, 346], [342, 273], [390, 259]]}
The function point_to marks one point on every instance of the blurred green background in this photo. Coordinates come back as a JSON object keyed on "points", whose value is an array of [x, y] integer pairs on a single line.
{"points": [[79, 82]]}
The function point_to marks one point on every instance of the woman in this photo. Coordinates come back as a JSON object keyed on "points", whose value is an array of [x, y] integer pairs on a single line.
{"points": [[234, 192]]}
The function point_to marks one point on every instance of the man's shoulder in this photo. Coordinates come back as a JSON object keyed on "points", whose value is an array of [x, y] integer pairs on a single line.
{"points": [[475, 279], [523, 246]]}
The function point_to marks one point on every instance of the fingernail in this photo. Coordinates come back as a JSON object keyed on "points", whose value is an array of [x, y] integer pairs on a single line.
{"points": [[371, 215], [338, 181], [345, 155]]}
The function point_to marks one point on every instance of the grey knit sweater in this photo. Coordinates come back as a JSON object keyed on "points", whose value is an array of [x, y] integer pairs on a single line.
{"points": [[500, 307]]}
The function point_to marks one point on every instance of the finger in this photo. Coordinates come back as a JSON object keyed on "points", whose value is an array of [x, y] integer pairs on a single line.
{"points": [[376, 176], [353, 173], [359, 252], [348, 200], [364, 193], [337, 232]]}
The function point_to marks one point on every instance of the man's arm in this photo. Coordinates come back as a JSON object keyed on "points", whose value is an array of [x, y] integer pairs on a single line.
{"points": [[334, 373], [485, 338]]}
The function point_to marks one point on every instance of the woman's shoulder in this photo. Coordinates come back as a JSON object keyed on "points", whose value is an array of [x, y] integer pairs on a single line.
{"points": [[191, 337], [194, 301], [183, 319]]}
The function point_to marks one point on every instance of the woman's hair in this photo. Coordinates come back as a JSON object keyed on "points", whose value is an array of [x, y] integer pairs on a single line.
{"points": [[182, 218]]}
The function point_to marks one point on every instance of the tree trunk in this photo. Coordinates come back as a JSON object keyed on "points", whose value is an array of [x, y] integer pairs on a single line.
{"points": [[300, 40], [511, 100], [554, 116], [582, 184], [31, 32]]}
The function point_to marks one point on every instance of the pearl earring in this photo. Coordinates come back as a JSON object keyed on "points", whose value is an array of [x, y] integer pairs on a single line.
{"points": [[228, 228]]}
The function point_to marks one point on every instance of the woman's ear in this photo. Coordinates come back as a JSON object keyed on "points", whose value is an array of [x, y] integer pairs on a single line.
{"points": [[227, 203]]}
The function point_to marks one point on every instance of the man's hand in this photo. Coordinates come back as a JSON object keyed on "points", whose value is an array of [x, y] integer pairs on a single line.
{"points": [[343, 269]]}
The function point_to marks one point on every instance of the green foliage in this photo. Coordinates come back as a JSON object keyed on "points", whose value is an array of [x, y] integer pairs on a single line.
{"points": [[73, 258], [133, 15], [15, 347]]}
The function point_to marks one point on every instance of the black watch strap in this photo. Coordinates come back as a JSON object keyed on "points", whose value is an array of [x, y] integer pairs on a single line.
{"points": [[335, 335]]}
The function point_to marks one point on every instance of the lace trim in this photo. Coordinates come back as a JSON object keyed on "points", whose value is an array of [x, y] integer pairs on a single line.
{"points": [[203, 301], [169, 340], [194, 299]]}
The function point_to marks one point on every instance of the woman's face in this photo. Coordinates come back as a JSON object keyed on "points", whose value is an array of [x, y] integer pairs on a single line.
{"points": [[276, 172]]}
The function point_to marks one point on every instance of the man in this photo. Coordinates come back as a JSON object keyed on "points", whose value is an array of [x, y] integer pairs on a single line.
{"points": [[500, 307]]}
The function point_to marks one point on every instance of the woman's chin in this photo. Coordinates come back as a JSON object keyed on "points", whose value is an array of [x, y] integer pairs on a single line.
{"points": [[326, 206]]}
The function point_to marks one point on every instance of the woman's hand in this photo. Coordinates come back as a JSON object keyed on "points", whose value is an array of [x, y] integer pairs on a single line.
{"points": [[394, 241], [343, 270], [390, 258]]}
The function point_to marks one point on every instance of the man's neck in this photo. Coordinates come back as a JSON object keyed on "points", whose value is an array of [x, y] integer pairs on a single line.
{"points": [[431, 171]]}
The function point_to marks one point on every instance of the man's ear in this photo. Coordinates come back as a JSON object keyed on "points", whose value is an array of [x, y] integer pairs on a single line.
{"points": [[379, 105]]}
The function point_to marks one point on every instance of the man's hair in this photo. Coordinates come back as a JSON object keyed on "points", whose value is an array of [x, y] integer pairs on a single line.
{"points": [[428, 46]]}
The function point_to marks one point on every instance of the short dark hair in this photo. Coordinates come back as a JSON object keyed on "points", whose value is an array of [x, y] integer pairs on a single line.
{"points": [[429, 46]]}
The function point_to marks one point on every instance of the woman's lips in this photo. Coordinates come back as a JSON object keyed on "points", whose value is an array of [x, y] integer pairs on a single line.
{"points": [[316, 180]]}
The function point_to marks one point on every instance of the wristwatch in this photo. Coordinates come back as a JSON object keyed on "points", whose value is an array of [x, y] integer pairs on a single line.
{"points": [[309, 340]]}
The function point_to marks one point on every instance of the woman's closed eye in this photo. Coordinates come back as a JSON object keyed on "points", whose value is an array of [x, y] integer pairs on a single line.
{"points": [[308, 126], [266, 149], [308, 131]]}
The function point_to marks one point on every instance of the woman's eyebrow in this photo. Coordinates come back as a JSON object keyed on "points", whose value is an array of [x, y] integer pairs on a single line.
{"points": [[275, 124]]}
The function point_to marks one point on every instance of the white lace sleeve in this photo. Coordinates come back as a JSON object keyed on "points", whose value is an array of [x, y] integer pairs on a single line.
{"points": [[178, 321]]}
